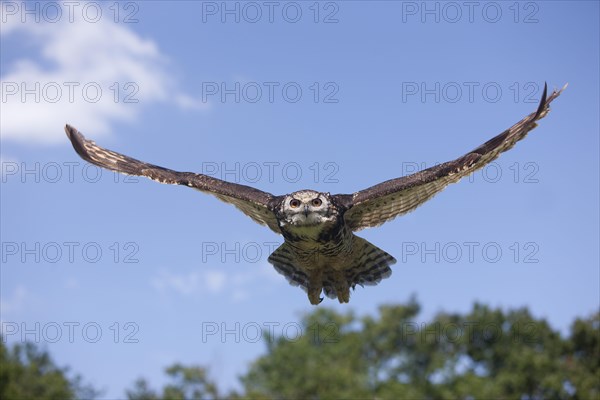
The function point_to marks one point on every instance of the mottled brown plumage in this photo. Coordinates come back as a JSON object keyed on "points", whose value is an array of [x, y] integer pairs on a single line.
{"points": [[320, 252]]}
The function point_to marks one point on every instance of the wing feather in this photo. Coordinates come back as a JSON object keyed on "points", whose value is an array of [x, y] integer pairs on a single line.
{"points": [[255, 203], [383, 202]]}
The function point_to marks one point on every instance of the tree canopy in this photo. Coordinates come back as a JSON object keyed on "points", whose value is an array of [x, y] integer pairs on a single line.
{"points": [[485, 353], [26, 372]]}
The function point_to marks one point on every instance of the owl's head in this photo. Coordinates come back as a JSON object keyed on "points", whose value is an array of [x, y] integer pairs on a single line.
{"points": [[307, 207]]}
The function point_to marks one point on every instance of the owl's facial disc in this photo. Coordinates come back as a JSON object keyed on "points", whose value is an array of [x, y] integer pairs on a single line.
{"points": [[307, 208]]}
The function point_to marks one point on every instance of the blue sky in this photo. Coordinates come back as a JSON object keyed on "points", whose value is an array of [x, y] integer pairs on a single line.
{"points": [[126, 276]]}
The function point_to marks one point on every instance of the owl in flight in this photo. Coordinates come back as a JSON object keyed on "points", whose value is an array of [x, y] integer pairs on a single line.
{"points": [[320, 251]]}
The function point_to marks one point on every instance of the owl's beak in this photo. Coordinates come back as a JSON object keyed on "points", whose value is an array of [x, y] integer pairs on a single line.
{"points": [[306, 210]]}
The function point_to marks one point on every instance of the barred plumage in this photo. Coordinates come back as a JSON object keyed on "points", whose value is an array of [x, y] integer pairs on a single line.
{"points": [[321, 252]]}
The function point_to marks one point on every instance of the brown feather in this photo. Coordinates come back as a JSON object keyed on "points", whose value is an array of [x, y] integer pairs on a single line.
{"points": [[383, 202], [255, 203]]}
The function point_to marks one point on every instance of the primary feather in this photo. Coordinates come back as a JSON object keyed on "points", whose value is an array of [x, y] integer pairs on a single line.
{"points": [[321, 252]]}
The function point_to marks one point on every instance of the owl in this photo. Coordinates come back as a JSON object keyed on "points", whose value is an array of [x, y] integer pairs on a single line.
{"points": [[320, 252]]}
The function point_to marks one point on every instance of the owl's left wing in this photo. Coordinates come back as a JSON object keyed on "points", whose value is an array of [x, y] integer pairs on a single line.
{"points": [[389, 199], [255, 203]]}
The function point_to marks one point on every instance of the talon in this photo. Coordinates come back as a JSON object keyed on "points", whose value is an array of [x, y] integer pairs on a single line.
{"points": [[344, 296], [343, 290], [314, 297]]}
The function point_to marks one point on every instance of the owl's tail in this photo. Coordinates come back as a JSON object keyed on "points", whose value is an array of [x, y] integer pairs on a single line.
{"points": [[284, 261], [366, 264], [371, 264]]}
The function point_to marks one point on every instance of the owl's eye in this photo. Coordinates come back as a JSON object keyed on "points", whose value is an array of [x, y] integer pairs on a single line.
{"points": [[295, 203], [317, 202]]}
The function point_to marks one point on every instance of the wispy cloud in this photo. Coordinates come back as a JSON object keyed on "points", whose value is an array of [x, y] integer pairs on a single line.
{"points": [[213, 282], [87, 74], [191, 283]]}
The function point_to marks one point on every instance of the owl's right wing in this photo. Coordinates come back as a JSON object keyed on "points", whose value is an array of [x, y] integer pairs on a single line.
{"points": [[383, 202], [255, 203]]}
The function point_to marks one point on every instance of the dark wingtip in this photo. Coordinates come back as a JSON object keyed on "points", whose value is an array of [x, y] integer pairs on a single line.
{"points": [[542, 105], [72, 133], [77, 140]]}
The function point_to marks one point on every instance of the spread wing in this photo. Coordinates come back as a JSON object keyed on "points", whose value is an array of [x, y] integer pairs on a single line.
{"points": [[389, 199], [255, 203]]}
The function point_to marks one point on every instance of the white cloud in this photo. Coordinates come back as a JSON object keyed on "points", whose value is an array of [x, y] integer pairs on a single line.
{"points": [[190, 103], [184, 285], [188, 284], [75, 59], [215, 281], [240, 285]]}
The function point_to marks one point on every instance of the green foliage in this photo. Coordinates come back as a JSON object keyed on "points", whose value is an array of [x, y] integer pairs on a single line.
{"points": [[487, 353], [29, 373], [582, 358], [188, 383], [318, 364]]}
